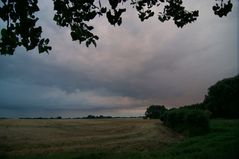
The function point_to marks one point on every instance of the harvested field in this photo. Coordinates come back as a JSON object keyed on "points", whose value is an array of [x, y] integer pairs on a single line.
{"points": [[26, 136]]}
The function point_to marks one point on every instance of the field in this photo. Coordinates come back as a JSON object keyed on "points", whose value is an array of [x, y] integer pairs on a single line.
{"points": [[23, 137], [113, 138]]}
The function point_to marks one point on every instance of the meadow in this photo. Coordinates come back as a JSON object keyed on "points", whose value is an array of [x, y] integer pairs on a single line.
{"points": [[113, 138]]}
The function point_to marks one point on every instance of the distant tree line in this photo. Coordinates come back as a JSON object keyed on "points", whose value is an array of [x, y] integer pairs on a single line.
{"points": [[84, 117], [222, 101], [97, 117], [58, 117]]}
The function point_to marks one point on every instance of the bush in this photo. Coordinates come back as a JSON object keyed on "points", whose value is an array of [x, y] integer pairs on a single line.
{"points": [[187, 121]]}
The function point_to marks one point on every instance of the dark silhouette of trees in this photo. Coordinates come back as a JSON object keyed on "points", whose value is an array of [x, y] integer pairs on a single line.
{"points": [[155, 111], [20, 19], [223, 98], [194, 106], [222, 101], [190, 120]]}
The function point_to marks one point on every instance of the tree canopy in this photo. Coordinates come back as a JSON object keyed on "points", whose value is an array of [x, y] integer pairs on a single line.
{"points": [[155, 111], [20, 20], [223, 98]]}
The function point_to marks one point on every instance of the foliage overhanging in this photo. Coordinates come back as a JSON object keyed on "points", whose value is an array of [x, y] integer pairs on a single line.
{"points": [[20, 19]]}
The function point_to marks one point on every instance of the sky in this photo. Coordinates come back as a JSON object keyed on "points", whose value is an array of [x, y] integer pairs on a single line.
{"points": [[133, 66]]}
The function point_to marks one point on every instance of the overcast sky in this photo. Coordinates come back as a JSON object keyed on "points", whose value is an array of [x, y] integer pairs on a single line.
{"points": [[133, 66]]}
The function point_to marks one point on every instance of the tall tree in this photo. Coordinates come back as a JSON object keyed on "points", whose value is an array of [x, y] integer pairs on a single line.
{"points": [[223, 98], [155, 111]]}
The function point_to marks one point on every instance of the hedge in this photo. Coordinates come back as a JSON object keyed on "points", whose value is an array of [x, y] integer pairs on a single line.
{"points": [[190, 122]]}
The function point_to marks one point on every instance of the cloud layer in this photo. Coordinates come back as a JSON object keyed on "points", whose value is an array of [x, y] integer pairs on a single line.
{"points": [[133, 66]]}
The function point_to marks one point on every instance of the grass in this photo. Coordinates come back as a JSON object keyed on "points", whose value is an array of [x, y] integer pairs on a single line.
{"points": [[221, 143]]}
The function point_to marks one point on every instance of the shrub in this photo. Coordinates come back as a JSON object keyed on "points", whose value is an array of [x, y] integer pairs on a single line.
{"points": [[187, 121]]}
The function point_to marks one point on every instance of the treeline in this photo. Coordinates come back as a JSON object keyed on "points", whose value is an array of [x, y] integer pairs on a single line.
{"points": [[107, 117], [222, 101], [86, 117], [59, 117], [97, 117]]}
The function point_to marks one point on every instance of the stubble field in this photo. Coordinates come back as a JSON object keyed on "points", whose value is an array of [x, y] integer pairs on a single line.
{"points": [[26, 136]]}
